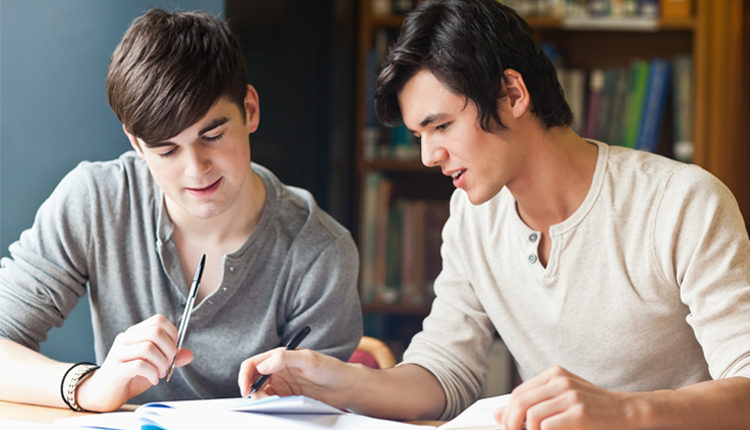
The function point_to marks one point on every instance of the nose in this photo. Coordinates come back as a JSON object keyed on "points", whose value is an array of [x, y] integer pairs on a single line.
{"points": [[432, 155], [198, 162]]}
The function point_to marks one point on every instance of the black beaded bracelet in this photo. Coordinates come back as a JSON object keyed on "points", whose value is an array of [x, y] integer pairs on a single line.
{"points": [[69, 391]]}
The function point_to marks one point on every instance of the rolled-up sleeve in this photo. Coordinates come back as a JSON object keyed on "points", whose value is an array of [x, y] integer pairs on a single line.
{"points": [[457, 334], [45, 275]]}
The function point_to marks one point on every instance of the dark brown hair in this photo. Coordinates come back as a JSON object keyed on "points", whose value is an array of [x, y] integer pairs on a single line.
{"points": [[467, 45], [170, 68]]}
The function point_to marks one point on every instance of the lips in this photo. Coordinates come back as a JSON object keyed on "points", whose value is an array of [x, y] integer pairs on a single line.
{"points": [[456, 175], [207, 189]]}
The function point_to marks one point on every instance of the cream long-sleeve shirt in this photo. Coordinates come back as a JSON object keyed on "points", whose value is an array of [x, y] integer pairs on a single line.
{"points": [[647, 284]]}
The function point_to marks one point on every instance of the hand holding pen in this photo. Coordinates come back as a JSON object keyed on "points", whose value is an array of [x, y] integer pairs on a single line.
{"points": [[188, 309], [293, 344]]}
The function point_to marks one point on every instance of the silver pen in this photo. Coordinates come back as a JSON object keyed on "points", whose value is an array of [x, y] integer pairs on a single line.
{"points": [[188, 309]]}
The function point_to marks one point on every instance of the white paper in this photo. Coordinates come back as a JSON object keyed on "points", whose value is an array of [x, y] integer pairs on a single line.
{"points": [[293, 412], [478, 416]]}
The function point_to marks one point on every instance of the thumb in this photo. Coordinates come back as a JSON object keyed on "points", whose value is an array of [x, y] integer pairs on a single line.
{"points": [[183, 357]]}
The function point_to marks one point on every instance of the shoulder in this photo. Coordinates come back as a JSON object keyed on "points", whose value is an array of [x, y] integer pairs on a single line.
{"points": [[126, 170], [99, 182], [295, 212]]}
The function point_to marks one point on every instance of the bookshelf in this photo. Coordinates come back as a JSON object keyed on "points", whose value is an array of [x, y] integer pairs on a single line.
{"points": [[716, 35]]}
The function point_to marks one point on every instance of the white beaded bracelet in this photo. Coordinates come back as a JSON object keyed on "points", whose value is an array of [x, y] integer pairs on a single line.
{"points": [[69, 385]]}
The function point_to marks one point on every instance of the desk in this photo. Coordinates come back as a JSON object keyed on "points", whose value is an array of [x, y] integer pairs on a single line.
{"points": [[40, 414], [46, 414]]}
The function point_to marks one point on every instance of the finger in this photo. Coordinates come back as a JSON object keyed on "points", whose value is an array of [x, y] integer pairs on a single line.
{"points": [[543, 411], [183, 357], [497, 415], [300, 359], [129, 370], [248, 372], [541, 379], [516, 411], [154, 330]]}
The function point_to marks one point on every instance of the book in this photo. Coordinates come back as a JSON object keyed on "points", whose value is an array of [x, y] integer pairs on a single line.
{"points": [[368, 234], [291, 412], [596, 90], [617, 107], [381, 240], [413, 266], [393, 284], [638, 79], [682, 100], [653, 105], [575, 89]]}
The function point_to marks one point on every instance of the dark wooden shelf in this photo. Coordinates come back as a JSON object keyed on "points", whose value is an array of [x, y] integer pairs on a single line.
{"points": [[389, 20], [607, 24], [400, 166], [396, 309]]}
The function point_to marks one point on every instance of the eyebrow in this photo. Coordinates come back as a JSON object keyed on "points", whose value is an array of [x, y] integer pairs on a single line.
{"points": [[217, 122], [429, 119]]}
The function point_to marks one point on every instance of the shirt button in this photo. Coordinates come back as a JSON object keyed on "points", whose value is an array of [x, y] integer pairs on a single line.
{"points": [[231, 268], [532, 258], [533, 237]]}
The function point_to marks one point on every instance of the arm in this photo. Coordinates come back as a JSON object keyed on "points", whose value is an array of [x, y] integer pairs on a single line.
{"points": [[139, 357], [403, 392], [558, 399]]}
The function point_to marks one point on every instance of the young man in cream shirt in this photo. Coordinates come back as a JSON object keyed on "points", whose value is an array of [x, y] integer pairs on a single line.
{"points": [[619, 280]]}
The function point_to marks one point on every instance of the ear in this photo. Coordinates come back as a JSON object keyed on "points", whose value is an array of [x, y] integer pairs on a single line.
{"points": [[252, 109], [133, 141], [518, 94]]}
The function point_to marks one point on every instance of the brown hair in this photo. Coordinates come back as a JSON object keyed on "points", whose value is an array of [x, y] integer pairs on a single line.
{"points": [[170, 68], [467, 45]]}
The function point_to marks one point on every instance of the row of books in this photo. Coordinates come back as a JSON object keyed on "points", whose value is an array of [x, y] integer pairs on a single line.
{"points": [[382, 142], [627, 106], [400, 244], [602, 9]]}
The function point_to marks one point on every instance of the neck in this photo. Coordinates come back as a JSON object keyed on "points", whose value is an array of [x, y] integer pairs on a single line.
{"points": [[231, 227], [556, 177]]}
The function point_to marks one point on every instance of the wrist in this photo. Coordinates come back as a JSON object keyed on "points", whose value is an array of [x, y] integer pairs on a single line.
{"points": [[645, 410], [356, 390], [71, 381]]}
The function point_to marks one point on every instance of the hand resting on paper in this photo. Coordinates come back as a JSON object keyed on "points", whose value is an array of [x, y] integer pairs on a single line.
{"points": [[558, 399], [140, 356]]}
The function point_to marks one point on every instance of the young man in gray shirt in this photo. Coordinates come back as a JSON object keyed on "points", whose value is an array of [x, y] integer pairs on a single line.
{"points": [[131, 231]]}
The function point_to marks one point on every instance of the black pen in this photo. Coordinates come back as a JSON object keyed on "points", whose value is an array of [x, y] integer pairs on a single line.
{"points": [[293, 344], [188, 309]]}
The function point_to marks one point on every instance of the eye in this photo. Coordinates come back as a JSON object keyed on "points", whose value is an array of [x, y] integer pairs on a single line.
{"points": [[214, 138], [168, 153], [442, 126]]}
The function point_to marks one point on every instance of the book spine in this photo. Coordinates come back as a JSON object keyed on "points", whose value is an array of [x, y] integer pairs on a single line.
{"points": [[636, 93], [653, 111]]}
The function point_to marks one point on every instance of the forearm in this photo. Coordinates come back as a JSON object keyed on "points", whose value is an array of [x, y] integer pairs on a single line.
{"points": [[29, 377], [718, 404], [405, 392]]}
